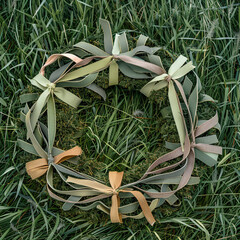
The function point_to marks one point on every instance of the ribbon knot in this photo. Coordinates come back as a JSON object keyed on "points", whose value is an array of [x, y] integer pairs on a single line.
{"points": [[38, 167], [193, 144], [50, 159], [49, 89], [115, 192], [176, 71], [114, 56], [51, 86], [168, 78]]}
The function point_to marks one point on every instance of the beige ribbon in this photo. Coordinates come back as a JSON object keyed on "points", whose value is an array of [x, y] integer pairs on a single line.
{"points": [[54, 57], [38, 167], [115, 179]]}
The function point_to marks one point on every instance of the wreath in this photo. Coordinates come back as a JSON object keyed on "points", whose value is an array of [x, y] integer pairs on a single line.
{"points": [[157, 183]]}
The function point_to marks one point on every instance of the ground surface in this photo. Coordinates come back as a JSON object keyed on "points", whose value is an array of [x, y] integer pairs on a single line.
{"points": [[205, 31]]}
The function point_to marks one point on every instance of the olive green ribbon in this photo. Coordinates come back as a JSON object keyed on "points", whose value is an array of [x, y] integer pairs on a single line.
{"points": [[49, 90], [189, 152], [134, 67], [47, 98], [109, 61], [53, 88], [176, 71]]}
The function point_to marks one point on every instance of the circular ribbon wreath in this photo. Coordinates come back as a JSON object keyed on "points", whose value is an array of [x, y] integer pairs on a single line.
{"points": [[86, 61]]}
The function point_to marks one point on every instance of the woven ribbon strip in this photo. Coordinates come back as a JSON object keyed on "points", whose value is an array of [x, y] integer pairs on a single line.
{"points": [[85, 62]]}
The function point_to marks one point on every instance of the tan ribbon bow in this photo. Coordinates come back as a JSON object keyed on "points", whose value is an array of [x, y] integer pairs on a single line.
{"points": [[115, 179], [38, 167]]}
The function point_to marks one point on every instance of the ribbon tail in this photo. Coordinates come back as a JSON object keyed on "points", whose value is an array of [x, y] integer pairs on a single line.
{"points": [[183, 70], [73, 152], [37, 146], [155, 84], [209, 148], [89, 48], [144, 206], [177, 113], [51, 113], [115, 179], [188, 172], [37, 108], [169, 156], [37, 168], [115, 216], [181, 90], [177, 64], [113, 73], [204, 127], [143, 64], [89, 69]]}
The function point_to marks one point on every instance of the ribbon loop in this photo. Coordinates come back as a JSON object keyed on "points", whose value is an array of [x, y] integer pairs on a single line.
{"points": [[168, 78], [118, 52], [38, 167], [54, 57], [115, 179]]}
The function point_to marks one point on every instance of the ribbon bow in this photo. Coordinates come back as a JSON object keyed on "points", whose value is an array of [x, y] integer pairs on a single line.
{"points": [[200, 148], [176, 71], [129, 65], [49, 89], [38, 167], [115, 179]]}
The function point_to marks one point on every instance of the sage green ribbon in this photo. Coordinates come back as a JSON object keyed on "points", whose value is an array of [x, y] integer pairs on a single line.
{"points": [[180, 177], [89, 188], [51, 157], [133, 67], [106, 62], [49, 90], [199, 147], [176, 71], [36, 149], [47, 98]]}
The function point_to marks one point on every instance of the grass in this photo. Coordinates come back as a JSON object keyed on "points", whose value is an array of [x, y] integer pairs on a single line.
{"points": [[205, 31]]}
